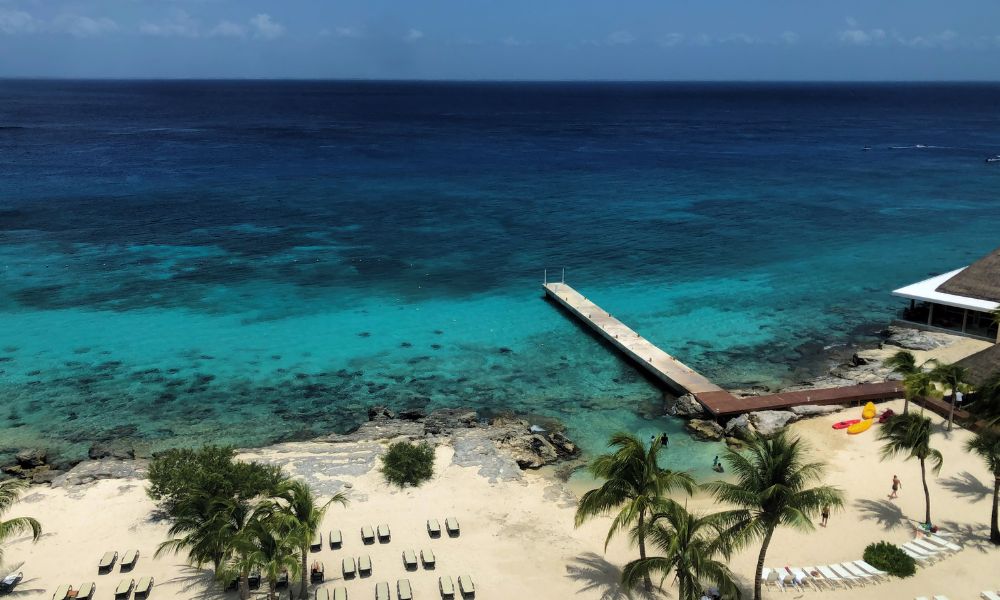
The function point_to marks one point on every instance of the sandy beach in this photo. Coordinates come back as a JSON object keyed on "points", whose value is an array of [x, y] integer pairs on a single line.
{"points": [[517, 535]]}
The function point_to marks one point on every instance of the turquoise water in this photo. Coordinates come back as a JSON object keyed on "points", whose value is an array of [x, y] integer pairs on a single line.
{"points": [[264, 265]]}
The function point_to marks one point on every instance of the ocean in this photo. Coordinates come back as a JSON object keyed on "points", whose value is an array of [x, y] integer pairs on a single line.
{"points": [[187, 262]]}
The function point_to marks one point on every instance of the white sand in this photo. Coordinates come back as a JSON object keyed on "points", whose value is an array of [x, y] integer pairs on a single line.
{"points": [[518, 539]]}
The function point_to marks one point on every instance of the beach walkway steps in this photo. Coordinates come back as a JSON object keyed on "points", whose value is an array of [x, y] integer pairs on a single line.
{"points": [[681, 379]]}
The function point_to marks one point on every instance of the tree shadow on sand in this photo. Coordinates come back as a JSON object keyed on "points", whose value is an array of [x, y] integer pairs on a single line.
{"points": [[600, 576], [967, 485], [887, 514], [198, 584], [975, 536]]}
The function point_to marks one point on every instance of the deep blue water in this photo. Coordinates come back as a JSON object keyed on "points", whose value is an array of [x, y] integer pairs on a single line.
{"points": [[247, 262]]}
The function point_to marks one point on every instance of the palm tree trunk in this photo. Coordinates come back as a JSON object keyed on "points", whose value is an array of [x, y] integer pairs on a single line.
{"points": [[642, 549], [272, 589], [994, 526], [760, 564], [951, 410], [305, 559], [927, 493], [906, 404], [244, 586]]}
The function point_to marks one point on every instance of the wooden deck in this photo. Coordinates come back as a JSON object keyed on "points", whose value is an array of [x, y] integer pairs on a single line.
{"points": [[681, 379]]}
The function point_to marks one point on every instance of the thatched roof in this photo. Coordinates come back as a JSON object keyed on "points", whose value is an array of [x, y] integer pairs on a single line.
{"points": [[982, 364], [979, 280]]}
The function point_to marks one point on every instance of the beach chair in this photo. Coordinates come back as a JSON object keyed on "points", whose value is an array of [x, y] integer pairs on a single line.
{"points": [[817, 577], [451, 524], [322, 594], [802, 578], [383, 533], [845, 574], [107, 562], [940, 597], [317, 542], [124, 589], [859, 573], [336, 540], [348, 567], [62, 592], [368, 534], [403, 591], [871, 570], [929, 547], [317, 572], [86, 591], [427, 557], [10, 582], [143, 587], [433, 528], [446, 586], [988, 595], [921, 558], [382, 590], [129, 560], [253, 580], [409, 560], [940, 541], [786, 579], [830, 576], [917, 550], [364, 565], [282, 580], [465, 586], [769, 576], [340, 593]]}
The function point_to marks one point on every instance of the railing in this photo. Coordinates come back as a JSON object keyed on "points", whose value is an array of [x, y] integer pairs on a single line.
{"points": [[562, 279]]}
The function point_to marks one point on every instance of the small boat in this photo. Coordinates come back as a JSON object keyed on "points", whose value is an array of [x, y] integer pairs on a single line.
{"points": [[993, 159], [866, 148], [846, 424], [859, 427]]}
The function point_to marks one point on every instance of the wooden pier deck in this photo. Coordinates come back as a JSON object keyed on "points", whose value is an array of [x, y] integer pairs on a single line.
{"points": [[681, 379]]}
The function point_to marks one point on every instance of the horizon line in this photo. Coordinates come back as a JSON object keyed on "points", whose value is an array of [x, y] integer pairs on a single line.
{"points": [[501, 80]]}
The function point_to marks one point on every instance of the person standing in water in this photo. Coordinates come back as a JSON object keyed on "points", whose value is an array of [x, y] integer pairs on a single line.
{"points": [[896, 486]]}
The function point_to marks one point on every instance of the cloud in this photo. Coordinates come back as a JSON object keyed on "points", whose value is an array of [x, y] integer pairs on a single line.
{"points": [[514, 42], [859, 36], [180, 25], [228, 29], [620, 38], [670, 40], [17, 21], [862, 37], [266, 28], [789, 37], [413, 35], [82, 26], [346, 32], [934, 40]]}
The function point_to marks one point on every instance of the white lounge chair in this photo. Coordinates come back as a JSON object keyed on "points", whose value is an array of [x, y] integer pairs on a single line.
{"points": [[943, 542], [336, 539], [382, 590], [867, 568], [929, 554], [322, 594], [802, 578], [317, 542], [769, 577], [368, 535], [817, 577], [940, 597], [465, 585], [857, 571], [447, 586], [988, 595], [830, 576], [846, 575], [929, 547], [922, 558], [433, 528], [451, 524], [427, 557]]}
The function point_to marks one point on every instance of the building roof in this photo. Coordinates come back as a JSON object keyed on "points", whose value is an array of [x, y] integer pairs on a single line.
{"points": [[930, 290], [980, 280], [982, 364]]}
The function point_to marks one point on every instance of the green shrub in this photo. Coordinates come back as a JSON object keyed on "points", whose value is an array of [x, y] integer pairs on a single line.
{"points": [[891, 559], [405, 464]]}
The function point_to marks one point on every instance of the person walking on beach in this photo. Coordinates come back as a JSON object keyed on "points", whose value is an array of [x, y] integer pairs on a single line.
{"points": [[896, 485], [826, 515]]}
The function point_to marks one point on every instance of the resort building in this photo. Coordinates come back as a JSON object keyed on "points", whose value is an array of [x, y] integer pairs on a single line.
{"points": [[962, 301]]}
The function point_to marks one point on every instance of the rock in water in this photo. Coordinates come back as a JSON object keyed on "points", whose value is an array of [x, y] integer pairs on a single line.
{"points": [[705, 430], [380, 413], [120, 451], [770, 422], [684, 406], [31, 458]]}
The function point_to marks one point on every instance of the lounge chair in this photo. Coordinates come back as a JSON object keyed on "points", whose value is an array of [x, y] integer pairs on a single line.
{"points": [[124, 589], [253, 580], [447, 586], [383, 533], [769, 576], [382, 590], [922, 558], [322, 594], [862, 575], [10, 582], [427, 557], [988, 595], [107, 562], [451, 524], [129, 559], [433, 528], [86, 591], [143, 587], [466, 586], [940, 597], [845, 574], [786, 579], [62, 592], [348, 567], [336, 540], [282, 580], [926, 554], [340, 593], [928, 546], [368, 534], [867, 568], [409, 560], [364, 565], [940, 541], [830, 576], [317, 572], [802, 578], [403, 591], [817, 577], [317, 542]]}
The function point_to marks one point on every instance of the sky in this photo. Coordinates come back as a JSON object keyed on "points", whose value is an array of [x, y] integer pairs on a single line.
{"points": [[503, 39]]}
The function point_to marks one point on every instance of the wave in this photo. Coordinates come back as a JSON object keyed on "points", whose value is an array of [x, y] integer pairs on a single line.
{"points": [[919, 147]]}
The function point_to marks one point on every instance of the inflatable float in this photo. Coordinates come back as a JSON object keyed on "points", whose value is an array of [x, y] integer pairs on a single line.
{"points": [[859, 427], [846, 424], [869, 411]]}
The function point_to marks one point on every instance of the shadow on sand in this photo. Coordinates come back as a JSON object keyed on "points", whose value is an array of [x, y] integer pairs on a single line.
{"points": [[975, 536], [967, 485], [887, 514], [198, 584], [602, 577]]}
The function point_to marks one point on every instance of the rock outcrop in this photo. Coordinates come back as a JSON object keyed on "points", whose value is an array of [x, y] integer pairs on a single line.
{"points": [[705, 430], [770, 422], [914, 339], [685, 406], [812, 410], [740, 428]]}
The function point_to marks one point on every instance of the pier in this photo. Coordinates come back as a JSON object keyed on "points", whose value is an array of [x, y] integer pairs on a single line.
{"points": [[681, 379]]}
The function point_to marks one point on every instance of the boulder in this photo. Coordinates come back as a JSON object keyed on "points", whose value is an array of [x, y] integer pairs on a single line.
{"points": [[913, 339], [117, 451], [684, 406], [740, 427], [563, 445], [31, 458], [45, 475], [380, 413], [449, 419], [412, 414], [811, 410], [734, 443], [705, 430], [770, 422]]}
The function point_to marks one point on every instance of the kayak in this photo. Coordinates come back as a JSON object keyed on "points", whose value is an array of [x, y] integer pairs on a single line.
{"points": [[869, 411], [859, 427], [845, 424]]}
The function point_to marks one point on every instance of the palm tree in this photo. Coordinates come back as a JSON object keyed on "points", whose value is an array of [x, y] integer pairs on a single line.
{"points": [[771, 489], [634, 484], [987, 445], [689, 544], [305, 515], [952, 377], [919, 385], [269, 544], [10, 492], [911, 435], [905, 364]]}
